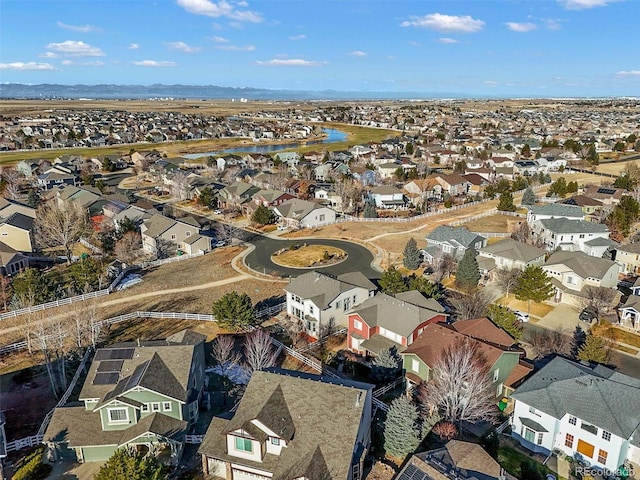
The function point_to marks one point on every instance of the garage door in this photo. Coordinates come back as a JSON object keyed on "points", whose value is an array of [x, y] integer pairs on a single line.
{"points": [[242, 475], [585, 448]]}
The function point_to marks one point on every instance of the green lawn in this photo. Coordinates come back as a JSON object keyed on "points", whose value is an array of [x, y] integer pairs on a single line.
{"points": [[510, 459]]}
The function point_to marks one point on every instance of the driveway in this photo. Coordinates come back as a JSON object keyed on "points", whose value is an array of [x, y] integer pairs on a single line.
{"points": [[563, 317], [67, 470]]}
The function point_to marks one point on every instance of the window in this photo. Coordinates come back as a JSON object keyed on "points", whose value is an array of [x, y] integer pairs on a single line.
{"points": [[529, 435], [415, 365], [606, 435], [339, 304], [145, 407], [275, 441], [532, 410], [311, 309], [568, 440], [589, 428], [244, 445], [571, 281], [155, 407], [118, 415], [357, 324], [321, 218], [602, 456], [573, 420], [347, 304], [166, 406], [539, 439], [496, 374], [173, 236]]}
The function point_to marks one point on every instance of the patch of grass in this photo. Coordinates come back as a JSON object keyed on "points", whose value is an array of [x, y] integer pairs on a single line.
{"points": [[622, 348], [510, 459], [494, 223], [308, 256], [537, 309], [617, 334]]}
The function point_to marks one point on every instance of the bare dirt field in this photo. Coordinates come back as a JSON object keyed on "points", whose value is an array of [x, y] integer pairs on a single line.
{"points": [[495, 223]]}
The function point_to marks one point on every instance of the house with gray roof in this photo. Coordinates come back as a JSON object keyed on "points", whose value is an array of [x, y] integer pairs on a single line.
{"points": [[454, 241], [573, 235], [387, 196], [553, 210], [508, 254], [143, 394], [630, 311], [586, 412], [298, 213], [165, 236], [292, 425], [628, 257], [17, 231], [572, 272], [12, 262], [319, 300]]}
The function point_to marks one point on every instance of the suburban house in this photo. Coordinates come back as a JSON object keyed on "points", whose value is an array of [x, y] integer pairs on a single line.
{"points": [[630, 312], [270, 198], [590, 206], [419, 190], [384, 321], [163, 235], [628, 257], [508, 254], [607, 195], [453, 184], [502, 361], [572, 272], [583, 411], [52, 179], [298, 213], [387, 196], [553, 210], [292, 425], [320, 300], [457, 459], [9, 207], [454, 241], [16, 231], [142, 394], [573, 235], [12, 262], [236, 194]]}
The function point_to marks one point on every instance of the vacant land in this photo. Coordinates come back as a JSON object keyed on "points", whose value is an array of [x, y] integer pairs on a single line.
{"points": [[495, 223]]}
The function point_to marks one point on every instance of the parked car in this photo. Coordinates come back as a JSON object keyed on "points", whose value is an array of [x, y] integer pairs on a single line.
{"points": [[589, 315], [220, 243], [521, 316], [217, 212]]}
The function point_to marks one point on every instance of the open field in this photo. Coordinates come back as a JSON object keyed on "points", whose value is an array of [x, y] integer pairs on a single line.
{"points": [[494, 223]]}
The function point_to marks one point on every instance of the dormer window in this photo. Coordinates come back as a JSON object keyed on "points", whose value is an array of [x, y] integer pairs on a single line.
{"points": [[244, 445], [274, 440]]}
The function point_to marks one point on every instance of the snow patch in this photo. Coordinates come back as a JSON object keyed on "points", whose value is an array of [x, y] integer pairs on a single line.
{"points": [[235, 373]]}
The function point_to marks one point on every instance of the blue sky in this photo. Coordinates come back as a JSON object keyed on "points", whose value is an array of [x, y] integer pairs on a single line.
{"points": [[497, 48]]}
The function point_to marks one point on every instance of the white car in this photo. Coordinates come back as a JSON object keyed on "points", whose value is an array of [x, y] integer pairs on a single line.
{"points": [[220, 243], [217, 212], [282, 227], [521, 316]]}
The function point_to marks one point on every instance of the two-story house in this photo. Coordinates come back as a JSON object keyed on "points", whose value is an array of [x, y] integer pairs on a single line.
{"points": [[553, 210], [573, 235], [628, 257], [292, 425], [12, 262], [298, 213], [320, 300], [495, 345], [606, 194], [588, 412], [17, 231], [143, 394], [453, 184], [383, 322], [572, 272], [160, 233], [387, 196], [508, 254], [236, 194], [454, 241]]}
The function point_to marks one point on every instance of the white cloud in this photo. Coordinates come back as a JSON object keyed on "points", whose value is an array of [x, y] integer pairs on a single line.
{"points": [[77, 28], [96, 63], [629, 73], [133, 46], [75, 49], [445, 23], [298, 37], [448, 40], [237, 48], [291, 62], [357, 53], [182, 47], [584, 4], [491, 83], [521, 27], [222, 8], [26, 66], [552, 24], [154, 63], [49, 55], [220, 39]]}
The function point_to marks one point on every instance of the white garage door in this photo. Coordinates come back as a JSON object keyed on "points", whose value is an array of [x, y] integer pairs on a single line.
{"points": [[242, 475]]}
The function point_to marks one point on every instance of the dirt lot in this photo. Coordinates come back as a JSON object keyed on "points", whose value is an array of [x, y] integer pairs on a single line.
{"points": [[494, 223]]}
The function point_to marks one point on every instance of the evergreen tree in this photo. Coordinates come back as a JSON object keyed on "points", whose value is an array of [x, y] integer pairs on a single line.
{"points": [[33, 199], [505, 204], [386, 366], [468, 273], [234, 311], [579, 337], [392, 281], [401, 433], [126, 464], [32, 287], [263, 216], [369, 210], [505, 319], [533, 284], [426, 287], [411, 259], [594, 349], [528, 197], [208, 198], [85, 275]]}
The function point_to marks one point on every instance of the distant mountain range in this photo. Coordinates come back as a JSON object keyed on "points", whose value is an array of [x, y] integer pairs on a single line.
{"points": [[204, 92]]}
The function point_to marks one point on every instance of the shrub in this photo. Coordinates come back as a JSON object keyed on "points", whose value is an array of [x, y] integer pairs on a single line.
{"points": [[31, 467]]}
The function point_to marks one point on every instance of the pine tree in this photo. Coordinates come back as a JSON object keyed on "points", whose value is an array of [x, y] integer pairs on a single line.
{"points": [[369, 210], [533, 284], [392, 281], [505, 319], [579, 337], [594, 349], [505, 204], [401, 434], [468, 273], [386, 366], [234, 310], [528, 197], [263, 216], [126, 464], [411, 259]]}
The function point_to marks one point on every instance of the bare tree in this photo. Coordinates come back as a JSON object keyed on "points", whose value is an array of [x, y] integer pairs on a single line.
{"points": [[86, 324], [443, 265], [12, 182], [471, 305], [522, 233], [180, 186], [42, 338], [223, 353], [598, 299], [60, 225], [225, 232], [294, 328], [60, 346], [5, 292], [127, 248], [460, 388], [165, 248], [506, 279], [258, 351], [550, 342]]}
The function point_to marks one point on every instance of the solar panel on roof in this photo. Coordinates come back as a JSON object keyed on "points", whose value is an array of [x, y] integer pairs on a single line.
{"points": [[413, 473], [607, 191], [103, 354], [110, 366], [110, 378], [122, 353], [137, 375]]}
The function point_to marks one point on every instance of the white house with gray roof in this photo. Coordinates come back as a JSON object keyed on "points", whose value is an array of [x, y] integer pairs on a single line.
{"points": [[583, 411], [573, 235], [572, 272], [454, 241], [298, 213], [317, 299], [508, 254], [553, 210]]}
